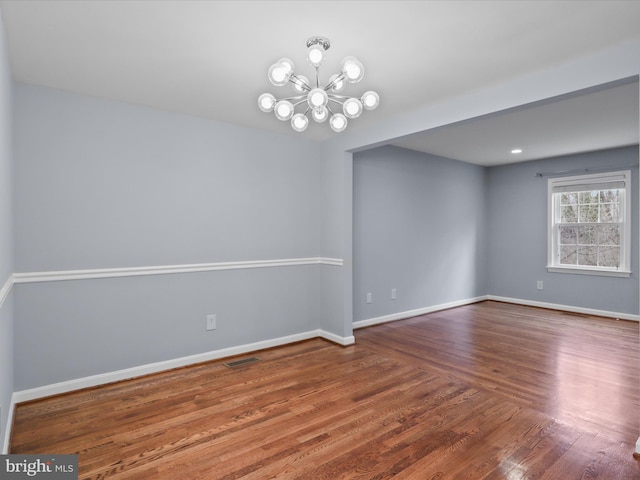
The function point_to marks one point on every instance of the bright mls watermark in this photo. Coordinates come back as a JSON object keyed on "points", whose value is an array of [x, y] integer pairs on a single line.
{"points": [[50, 467]]}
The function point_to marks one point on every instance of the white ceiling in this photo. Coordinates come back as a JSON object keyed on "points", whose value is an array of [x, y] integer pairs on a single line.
{"points": [[210, 58], [595, 120]]}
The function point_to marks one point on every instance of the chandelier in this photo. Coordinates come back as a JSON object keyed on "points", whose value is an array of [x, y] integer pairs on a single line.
{"points": [[321, 103]]}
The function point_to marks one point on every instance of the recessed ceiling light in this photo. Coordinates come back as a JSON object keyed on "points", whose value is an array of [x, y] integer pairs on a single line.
{"points": [[515, 151]]}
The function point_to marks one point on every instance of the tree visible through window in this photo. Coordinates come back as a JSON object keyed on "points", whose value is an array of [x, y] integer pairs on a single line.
{"points": [[589, 222]]}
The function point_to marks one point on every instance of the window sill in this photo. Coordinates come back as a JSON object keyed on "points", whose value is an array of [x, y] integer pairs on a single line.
{"points": [[589, 271]]}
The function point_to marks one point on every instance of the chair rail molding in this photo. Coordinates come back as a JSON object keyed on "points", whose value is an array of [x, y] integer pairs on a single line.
{"points": [[86, 274], [6, 289]]}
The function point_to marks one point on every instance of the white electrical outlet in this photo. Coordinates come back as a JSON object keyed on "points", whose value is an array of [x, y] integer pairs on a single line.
{"points": [[369, 297], [394, 293], [540, 285], [211, 322]]}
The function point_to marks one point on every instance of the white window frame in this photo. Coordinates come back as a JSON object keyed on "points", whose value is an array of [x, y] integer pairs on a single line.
{"points": [[596, 180]]}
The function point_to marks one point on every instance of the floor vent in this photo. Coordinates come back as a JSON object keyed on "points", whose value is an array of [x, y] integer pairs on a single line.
{"points": [[239, 363]]}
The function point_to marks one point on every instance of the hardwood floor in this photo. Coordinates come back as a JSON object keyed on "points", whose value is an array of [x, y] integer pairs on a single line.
{"points": [[485, 391]]}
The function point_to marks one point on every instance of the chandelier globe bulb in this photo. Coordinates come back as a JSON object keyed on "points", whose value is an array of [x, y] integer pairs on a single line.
{"points": [[279, 74], [352, 69], [287, 64], [338, 122], [266, 102], [317, 98], [315, 55], [370, 100], [283, 110], [299, 122], [352, 108]]}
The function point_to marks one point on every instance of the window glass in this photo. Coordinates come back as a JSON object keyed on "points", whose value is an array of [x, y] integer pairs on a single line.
{"points": [[589, 222]]}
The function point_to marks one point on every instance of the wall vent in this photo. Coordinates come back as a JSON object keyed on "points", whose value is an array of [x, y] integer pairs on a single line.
{"points": [[241, 362]]}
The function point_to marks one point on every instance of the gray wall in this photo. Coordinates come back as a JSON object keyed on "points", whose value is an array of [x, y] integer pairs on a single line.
{"points": [[102, 184], [105, 184], [336, 238], [6, 239], [418, 227], [441, 231], [517, 254], [73, 329]]}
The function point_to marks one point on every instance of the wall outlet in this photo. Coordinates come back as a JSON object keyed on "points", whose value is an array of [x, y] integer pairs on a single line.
{"points": [[394, 293], [540, 285], [211, 322], [369, 297]]}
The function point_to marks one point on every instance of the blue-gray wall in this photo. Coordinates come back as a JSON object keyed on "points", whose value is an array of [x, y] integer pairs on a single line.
{"points": [[418, 227], [517, 253], [101, 184], [6, 239], [442, 231], [104, 184]]}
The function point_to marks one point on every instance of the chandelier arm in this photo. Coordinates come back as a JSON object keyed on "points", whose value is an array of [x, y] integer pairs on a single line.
{"points": [[333, 99], [299, 102], [339, 78], [296, 80], [340, 97], [299, 97]]}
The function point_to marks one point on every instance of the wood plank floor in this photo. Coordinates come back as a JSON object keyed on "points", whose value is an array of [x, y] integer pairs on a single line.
{"points": [[485, 391]]}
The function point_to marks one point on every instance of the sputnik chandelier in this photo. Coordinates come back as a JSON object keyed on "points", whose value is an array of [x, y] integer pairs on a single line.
{"points": [[321, 103]]}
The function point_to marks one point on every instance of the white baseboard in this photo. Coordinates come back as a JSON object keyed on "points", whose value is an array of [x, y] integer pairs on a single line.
{"points": [[518, 301], [128, 373], [332, 337], [566, 308], [414, 313]]}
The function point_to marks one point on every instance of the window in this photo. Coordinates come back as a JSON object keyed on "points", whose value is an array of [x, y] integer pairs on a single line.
{"points": [[590, 224]]}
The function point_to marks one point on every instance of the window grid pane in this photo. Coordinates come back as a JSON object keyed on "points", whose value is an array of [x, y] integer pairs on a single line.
{"points": [[589, 230]]}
